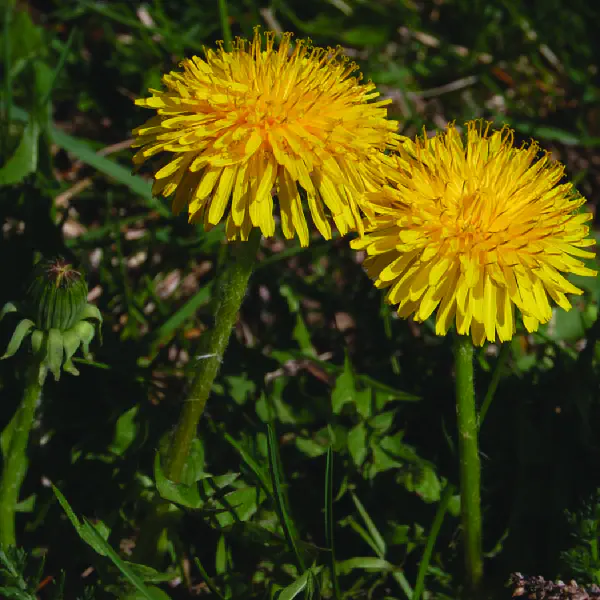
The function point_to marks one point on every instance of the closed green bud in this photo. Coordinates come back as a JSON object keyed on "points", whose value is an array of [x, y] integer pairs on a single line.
{"points": [[56, 295], [55, 316]]}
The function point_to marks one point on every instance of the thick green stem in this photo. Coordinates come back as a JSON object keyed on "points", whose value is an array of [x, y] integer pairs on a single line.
{"points": [[231, 289], [15, 460], [470, 469]]}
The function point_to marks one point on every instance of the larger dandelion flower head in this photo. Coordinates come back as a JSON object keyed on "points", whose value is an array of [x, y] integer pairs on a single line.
{"points": [[239, 126], [473, 227]]}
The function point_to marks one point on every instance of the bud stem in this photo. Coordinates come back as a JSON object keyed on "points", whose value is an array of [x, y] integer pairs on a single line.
{"points": [[15, 461]]}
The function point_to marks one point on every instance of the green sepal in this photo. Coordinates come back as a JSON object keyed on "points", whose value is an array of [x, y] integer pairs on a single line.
{"points": [[85, 331], [90, 311], [54, 352], [69, 367], [71, 342], [21, 330], [37, 337], [9, 307]]}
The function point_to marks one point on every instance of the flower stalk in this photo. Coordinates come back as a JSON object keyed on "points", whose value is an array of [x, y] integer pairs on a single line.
{"points": [[470, 468], [231, 289], [55, 321], [15, 462]]}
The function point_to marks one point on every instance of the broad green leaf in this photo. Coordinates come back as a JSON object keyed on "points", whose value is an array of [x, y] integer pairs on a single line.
{"points": [[240, 388], [344, 389], [149, 574], [424, 482], [382, 422], [291, 591], [126, 430], [357, 444], [310, 447], [149, 592], [239, 505], [179, 493], [300, 332], [363, 401], [24, 160], [367, 563]]}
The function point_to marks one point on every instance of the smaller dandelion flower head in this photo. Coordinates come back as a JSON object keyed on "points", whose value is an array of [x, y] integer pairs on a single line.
{"points": [[472, 227], [240, 125]]}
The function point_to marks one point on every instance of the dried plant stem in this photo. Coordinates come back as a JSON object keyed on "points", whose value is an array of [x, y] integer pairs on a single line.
{"points": [[231, 289], [14, 464], [470, 468]]}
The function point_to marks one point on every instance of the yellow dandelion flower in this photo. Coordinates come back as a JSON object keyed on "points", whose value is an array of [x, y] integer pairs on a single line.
{"points": [[474, 227], [239, 126]]}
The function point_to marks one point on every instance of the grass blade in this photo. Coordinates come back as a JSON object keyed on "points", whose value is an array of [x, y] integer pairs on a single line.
{"points": [[207, 580], [372, 529], [7, 100], [119, 173], [280, 504], [329, 522], [225, 28], [431, 538], [254, 466], [497, 374], [163, 333], [59, 67]]}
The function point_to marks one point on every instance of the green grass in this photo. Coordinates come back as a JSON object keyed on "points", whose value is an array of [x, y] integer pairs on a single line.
{"points": [[332, 423]]}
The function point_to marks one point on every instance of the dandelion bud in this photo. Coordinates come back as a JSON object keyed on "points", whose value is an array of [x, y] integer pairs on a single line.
{"points": [[56, 316], [56, 295]]}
